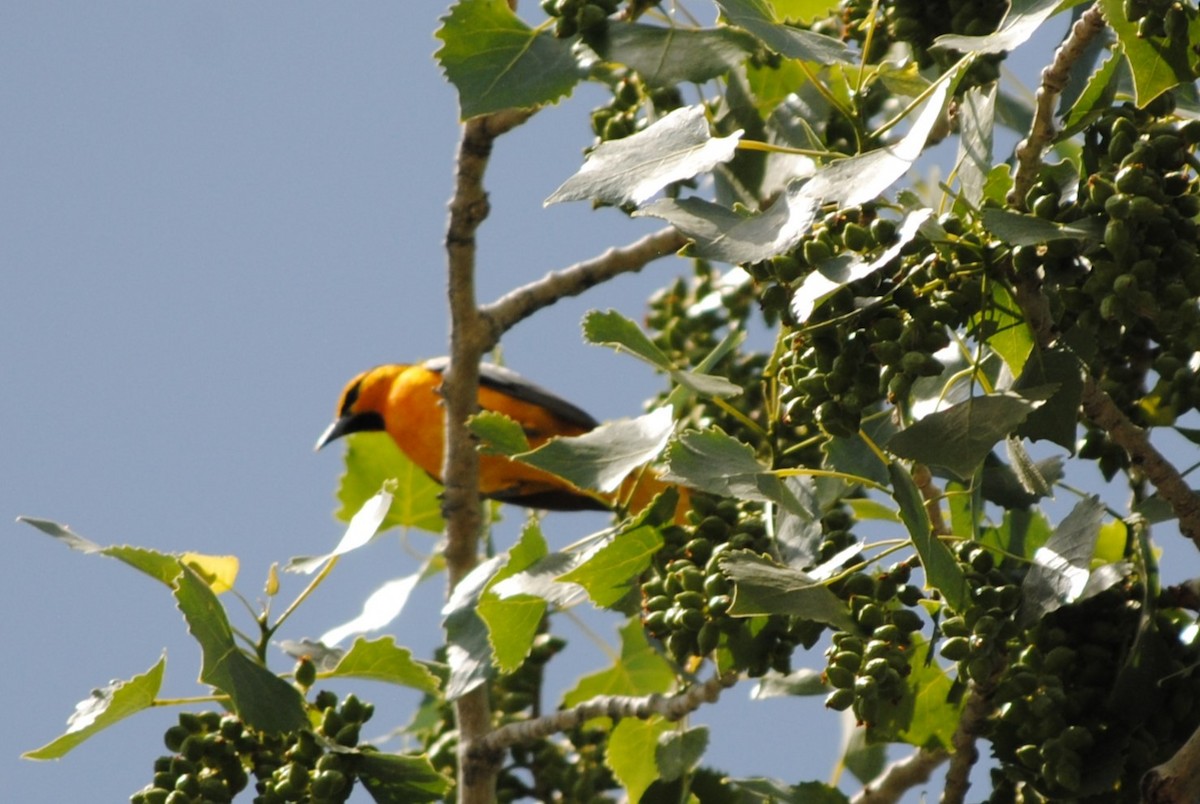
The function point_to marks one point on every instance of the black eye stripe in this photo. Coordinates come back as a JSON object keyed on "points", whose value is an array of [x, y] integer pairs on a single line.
{"points": [[351, 398]]}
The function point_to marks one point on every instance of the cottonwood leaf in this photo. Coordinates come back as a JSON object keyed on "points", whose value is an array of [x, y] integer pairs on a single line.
{"points": [[804, 681], [363, 527], [497, 62], [942, 571], [1157, 65], [1020, 229], [631, 753], [1004, 329], [712, 461], [760, 18], [678, 751], [1060, 568], [631, 170], [468, 650], [379, 610], [1096, 97], [721, 234], [610, 328], [925, 715], [773, 791], [639, 670], [399, 779], [608, 573], [1056, 419], [373, 459], [959, 438], [764, 587], [1022, 21], [262, 699], [107, 705], [601, 458], [383, 660], [976, 125], [664, 57], [514, 620]]}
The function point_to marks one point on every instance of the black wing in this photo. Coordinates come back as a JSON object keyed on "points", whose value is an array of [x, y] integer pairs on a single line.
{"points": [[510, 382]]}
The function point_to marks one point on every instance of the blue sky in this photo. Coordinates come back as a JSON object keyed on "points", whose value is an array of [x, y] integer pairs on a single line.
{"points": [[212, 216]]}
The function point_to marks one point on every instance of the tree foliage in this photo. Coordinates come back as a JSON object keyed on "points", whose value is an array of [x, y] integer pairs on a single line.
{"points": [[864, 487]]}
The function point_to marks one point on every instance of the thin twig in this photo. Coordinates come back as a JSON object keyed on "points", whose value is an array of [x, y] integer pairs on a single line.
{"points": [[670, 707], [965, 753], [513, 307], [900, 777], [1054, 80]]}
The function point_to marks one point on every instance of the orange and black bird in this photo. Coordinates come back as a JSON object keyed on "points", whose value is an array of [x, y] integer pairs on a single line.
{"points": [[405, 401]]}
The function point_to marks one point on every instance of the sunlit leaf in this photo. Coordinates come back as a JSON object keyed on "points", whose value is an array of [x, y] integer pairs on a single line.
{"points": [[468, 649], [514, 620], [925, 715], [104, 707], [608, 574], [957, 439], [942, 572], [363, 527], [1157, 65], [1022, 21], [399, 779], [261, 698], [373, 459], [1061, 566], [383, 660], [631, 170], [763, 587], [664, 57], [497, 62], [976, 116], [1029, 230], [639, 670], [679, 750], [759, 17], [379, 610], [631, 751]]}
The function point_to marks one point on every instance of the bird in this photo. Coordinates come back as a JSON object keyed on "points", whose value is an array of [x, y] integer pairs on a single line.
{"points": [[405, 401]]}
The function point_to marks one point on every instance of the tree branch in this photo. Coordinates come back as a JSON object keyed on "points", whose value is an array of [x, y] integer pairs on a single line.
{"points": [[1100, 409], [1054, 80], [515, 306], [1178, 779], [900, 777], [671, 707], [460, 469], [965, 753]]}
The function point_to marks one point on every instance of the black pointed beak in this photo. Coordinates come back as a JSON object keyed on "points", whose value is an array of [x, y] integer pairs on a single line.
{"points": [[354, 423]]}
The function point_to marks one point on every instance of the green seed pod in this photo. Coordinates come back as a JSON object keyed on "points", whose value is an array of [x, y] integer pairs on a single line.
{"points": [[848, 660], [816, 251], [689, 600], [719, 604], [839, 677], [707, 638], [856, 237], [840, 699]]}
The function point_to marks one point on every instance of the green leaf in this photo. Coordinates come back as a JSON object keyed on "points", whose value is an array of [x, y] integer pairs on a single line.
{"points": [[925, 715], [1056, 419], [712, 461], [631, 170], [1060, 570], [383, 660], [1155, 68], [399, 779], [104, 707], [679, 750], [664, 57], [804, 681], [497, 62], [498, 434], [607, 574], [1097, 96], [721, 234], [763, 587], [514, 620], [602, 458], [1022, 21], [612, 329], [630, 755], [957, 439], [468, 649], [261, 698], [373, 459], [1004, 330], [640, 670], [942, 572], [759, 18], [977, 123], [1029, 230], [832, 274]]}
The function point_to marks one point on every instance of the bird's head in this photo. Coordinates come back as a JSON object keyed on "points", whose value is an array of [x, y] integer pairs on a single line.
{"points": [[362, 404]]}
